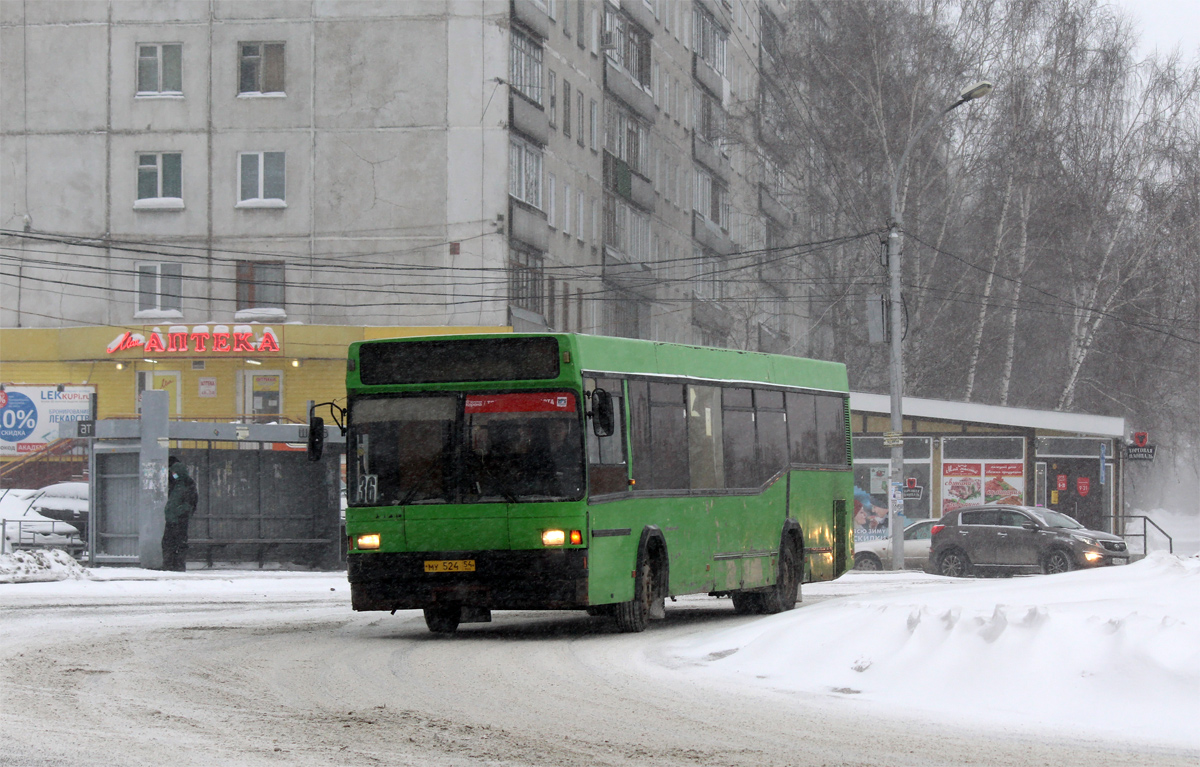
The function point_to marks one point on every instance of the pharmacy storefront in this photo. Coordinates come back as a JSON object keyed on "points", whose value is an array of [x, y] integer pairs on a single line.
{"points": [[213, 371]]}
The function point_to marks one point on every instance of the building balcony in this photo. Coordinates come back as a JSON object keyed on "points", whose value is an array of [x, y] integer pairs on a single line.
{"points": [[773, 207], [641, 15], [628, 183], [711, 236], [628, 275], [621, 84], [527, 224], [528, 118], [531, 16], [711, 314], [711, 157], [712, 80]]}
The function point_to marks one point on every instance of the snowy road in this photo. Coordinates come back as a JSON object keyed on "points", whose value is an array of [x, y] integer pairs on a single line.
{"points": [[260, 669]]}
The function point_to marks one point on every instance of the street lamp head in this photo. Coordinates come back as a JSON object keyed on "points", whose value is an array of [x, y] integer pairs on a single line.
{"points": [[976, 91]]}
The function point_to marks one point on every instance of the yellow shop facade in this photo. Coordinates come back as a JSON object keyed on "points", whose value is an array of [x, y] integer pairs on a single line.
{"points": [[214, 371]]}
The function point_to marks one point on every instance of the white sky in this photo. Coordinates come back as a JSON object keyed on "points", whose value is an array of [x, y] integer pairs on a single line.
{"points": [[1165, 24]]}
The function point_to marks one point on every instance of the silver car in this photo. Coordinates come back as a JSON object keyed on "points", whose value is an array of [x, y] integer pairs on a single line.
{"points": [[877, 555]]}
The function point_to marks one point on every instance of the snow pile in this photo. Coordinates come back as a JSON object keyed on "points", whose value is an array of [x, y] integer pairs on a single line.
{"points": [[1112, 652], [42, 565]]}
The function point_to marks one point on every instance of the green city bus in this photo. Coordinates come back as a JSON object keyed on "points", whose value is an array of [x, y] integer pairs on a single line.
{"points": [[565, 471]]}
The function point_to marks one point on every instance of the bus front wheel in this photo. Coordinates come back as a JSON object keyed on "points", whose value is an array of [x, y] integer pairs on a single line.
{"points": [[634, 615]]}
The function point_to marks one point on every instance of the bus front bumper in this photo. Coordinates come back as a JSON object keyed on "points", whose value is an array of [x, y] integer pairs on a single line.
{"points": [[502, 580]]}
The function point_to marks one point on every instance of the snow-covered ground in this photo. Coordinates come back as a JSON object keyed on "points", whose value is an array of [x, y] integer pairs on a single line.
{"points": [[1111, 653], [1183, 527], [1099, 655]]}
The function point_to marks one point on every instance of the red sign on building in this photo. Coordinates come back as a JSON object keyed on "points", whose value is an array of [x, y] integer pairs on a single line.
{"points": [[1083, 485], [1062, 482]]}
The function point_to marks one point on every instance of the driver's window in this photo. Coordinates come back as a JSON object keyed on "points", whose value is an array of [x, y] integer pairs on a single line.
{"points": [[608, 470]]}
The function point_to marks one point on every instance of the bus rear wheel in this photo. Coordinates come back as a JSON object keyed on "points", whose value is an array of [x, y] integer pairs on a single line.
{"points": [[782, 596], [442, 619]]}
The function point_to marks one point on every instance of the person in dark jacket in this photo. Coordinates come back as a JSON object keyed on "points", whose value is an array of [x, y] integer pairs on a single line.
{"points": [[181, 503]]}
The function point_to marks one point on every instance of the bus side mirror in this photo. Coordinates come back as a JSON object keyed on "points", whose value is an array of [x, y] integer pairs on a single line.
{"points": [[316, 438], [603, 419]]}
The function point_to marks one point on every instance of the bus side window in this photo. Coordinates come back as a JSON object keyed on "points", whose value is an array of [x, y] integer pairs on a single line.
{"points": [[705, 447], [668, 433], [803, 446], [741, 469], [772, 433], [607, 467], [831, 423]]}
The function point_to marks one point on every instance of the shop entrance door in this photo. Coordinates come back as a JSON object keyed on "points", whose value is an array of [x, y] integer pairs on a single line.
{"points": [[263, 395], [1073, 479], [161, 380]]}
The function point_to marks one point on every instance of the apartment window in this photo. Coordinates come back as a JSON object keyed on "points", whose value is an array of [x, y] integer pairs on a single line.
{"points": [[552, 91], [159, 180], [579, 115], [261, 176], [260, 284], [526, 272], [566, 106], [261, 68], [593, 120], [160, 69], [579, 230], [626, 229], [525, 66], [550, 200], [160, 287], [626, 137], [710, 117], [566, 227], [710, 38], [712, 200], [627, 45], [525, 172]]}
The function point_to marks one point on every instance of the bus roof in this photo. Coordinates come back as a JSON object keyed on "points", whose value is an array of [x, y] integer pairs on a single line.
{"points": [[607, 354]]}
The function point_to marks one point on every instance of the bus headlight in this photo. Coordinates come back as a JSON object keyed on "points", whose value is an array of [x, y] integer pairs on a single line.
{"points": [[553, 537], [368, 541]]}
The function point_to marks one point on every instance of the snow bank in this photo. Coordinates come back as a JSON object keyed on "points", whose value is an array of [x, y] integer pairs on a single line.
{"points": [[1182, 526], [42, 565], [1113, 653]]}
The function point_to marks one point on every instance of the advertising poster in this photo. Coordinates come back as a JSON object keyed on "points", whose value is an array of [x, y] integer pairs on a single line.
{"points": [[1004, 483], [962, 485], [30, 415]]}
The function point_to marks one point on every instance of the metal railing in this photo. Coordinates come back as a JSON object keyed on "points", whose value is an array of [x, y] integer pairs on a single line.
{"points": [[40, 534], [1147, 523]]}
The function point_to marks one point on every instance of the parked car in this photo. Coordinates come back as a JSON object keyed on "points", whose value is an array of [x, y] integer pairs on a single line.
{"points": [[1013, 539], [24, 527], [65, 502], [877, 555]]}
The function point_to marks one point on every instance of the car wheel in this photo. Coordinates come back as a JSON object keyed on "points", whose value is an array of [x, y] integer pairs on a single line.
{"points": [[954, 564], [443, 619], [1058, 561], [867, 561]]}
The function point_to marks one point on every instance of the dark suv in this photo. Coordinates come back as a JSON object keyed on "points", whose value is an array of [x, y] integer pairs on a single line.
{"points": [[1013, 539]]}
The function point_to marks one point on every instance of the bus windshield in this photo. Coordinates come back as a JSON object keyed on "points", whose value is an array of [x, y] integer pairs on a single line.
{"points": [[465, 448]]}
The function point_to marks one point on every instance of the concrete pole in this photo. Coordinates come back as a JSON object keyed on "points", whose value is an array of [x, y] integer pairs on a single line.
{"points": [[152, 491], [896, 375]]}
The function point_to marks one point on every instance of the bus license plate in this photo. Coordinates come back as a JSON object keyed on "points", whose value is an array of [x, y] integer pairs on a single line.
{"points": [[449, 565]]}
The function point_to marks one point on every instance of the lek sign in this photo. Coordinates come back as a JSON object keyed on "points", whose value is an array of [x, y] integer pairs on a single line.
{"points": [[198, 340]]}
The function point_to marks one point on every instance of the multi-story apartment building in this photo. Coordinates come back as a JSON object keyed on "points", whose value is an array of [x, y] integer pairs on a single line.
{"points": [[527, 163]]}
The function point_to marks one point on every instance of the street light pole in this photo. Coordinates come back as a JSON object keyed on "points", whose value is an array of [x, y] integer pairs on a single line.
{"points": [[894, 437]]}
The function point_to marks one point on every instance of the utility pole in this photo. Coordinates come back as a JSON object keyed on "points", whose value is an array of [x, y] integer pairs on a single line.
{"points": [[894, 438]]}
